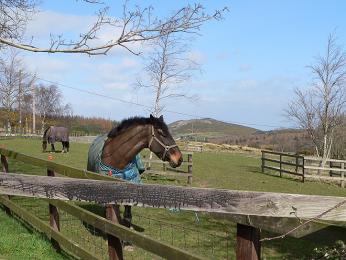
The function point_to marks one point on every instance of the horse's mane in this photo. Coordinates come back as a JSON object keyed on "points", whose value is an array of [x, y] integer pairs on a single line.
{"points": [[45, 132], [135, 121]]}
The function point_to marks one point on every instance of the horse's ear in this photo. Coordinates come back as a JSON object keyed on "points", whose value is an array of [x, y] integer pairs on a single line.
{"points": [[151, 116], [161, 118]]}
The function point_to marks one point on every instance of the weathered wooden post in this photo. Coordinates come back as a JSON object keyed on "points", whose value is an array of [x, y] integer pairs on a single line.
{"points": [[4, 164], [248, 243], [342, 166], [115, 249], [262, 158], [303, 179], [164, 166], [54, 216], [331, 165], [280, 165], [189, 168]]}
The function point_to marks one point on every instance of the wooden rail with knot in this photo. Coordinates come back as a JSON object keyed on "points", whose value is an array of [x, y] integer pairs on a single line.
{"points": [[275, 212]]}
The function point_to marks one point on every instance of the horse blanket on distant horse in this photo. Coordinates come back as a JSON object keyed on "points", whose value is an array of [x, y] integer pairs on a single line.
{"points": [[130, 173], [56, 134]]}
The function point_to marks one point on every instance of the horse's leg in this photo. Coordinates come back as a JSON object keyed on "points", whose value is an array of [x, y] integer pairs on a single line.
{"points": [[53, 148], [127, 216], [63, 147]]}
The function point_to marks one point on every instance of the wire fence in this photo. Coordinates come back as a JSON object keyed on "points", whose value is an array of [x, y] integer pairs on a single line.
{"points": [[198, 241]]}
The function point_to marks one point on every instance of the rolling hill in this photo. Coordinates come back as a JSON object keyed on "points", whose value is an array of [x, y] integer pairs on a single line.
{"points": [[208, 128]]}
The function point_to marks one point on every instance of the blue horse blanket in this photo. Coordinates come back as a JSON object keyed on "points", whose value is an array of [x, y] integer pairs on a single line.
{"points": [[130, 173]]}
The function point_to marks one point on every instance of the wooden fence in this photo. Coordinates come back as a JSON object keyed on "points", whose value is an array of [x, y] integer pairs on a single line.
{"points": [[251, 210], [158, 167], [283, 163], [333, 171], [109, 226], [193, 147], [304, 166]]}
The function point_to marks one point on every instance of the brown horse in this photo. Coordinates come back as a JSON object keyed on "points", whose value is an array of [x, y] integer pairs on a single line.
{"points": [[116, 153]]}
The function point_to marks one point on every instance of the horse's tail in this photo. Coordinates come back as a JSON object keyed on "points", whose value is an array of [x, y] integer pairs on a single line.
{"points": [[45, 133]]}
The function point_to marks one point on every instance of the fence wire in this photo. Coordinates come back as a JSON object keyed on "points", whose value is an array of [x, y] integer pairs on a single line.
{"points": [[95, 241]]}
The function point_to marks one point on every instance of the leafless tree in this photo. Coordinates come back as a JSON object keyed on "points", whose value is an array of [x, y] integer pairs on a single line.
{"points": [[168, 67], [50, 103], [319, 110], [14, 84], [137, 25]]}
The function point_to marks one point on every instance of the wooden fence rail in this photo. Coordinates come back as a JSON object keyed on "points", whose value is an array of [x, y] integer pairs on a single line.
{"points": [[226, 202]]}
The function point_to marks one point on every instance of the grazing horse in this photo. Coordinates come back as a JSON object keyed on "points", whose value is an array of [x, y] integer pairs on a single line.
{"points": [[56, 134], [117, 153]]}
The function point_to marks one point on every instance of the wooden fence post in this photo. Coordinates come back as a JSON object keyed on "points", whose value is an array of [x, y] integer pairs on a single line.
{"points": [[248, 243], [331, 165], [54, 217], [115, 249], [189, 168], [4, 164], [303, 179], [280, 165], [342, 166], [262, 158]]}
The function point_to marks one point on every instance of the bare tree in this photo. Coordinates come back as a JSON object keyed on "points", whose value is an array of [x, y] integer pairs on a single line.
{"points": [[12, 86], [49, 103], [168, 67], [14, 15], [319, 110], [137, 25]]}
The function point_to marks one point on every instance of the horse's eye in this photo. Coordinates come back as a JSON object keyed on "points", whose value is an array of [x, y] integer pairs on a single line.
{"points": [[160, 132]]}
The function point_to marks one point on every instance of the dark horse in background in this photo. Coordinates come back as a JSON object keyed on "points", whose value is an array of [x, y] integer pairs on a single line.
{"points": [[116, 154], [56, 134]]}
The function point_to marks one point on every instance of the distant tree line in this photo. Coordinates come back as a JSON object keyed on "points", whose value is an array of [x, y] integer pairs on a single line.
{"points": [[29, 107]]}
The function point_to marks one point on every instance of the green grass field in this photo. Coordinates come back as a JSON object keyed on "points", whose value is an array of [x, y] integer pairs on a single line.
{"points": [[208, 236]]}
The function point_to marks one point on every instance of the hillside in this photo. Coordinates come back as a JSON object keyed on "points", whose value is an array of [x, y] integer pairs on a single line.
{"points": [[208, 128]]}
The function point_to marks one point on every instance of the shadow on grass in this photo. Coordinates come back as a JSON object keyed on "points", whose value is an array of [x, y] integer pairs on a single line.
{"points": [[29, 229], [303, 248], [56, 151], [257, 170]]}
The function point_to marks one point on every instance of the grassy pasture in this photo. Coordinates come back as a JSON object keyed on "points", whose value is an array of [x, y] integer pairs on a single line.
{"points": [[205, 235]]}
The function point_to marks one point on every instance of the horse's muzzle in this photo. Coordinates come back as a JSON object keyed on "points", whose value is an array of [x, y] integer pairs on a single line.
{"points": [[175, 159]]}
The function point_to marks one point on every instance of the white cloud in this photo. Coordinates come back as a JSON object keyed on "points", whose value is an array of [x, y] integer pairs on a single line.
{"points": [[49, 22]]}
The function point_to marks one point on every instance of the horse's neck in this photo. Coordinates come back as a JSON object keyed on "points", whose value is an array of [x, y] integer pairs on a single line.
{"points": [[120, 150]]}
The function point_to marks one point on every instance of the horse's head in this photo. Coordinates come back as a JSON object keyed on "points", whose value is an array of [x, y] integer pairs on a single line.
{"points": [[162, 143]]}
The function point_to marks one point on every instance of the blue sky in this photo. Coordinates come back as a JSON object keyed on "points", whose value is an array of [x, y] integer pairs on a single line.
{"points": [[251, 61]]}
